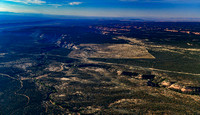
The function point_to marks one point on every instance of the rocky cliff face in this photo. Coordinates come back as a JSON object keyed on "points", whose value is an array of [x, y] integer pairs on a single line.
{"points": [[60, 40]]}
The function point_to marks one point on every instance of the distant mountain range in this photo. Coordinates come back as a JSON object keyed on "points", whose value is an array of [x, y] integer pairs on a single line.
{"points": [[10, 16]]}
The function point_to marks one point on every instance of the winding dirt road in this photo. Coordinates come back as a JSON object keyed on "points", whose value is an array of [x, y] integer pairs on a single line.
{"points": [[21, 86]]}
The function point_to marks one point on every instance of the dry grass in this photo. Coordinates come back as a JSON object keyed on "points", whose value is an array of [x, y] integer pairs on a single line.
{"points": [[118, 51]]}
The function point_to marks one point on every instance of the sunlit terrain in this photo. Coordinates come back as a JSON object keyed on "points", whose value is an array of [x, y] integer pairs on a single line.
{"points": [[99, 66]]}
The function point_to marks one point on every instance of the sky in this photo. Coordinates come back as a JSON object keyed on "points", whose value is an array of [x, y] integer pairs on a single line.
{"points": [[106, 8]]}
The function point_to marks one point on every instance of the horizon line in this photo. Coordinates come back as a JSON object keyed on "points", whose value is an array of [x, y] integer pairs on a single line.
{"points": [[159, 19]]}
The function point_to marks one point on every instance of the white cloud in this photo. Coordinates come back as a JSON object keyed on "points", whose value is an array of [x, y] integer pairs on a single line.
{"points": [[75, 3], [55, 5], [28, 1]]}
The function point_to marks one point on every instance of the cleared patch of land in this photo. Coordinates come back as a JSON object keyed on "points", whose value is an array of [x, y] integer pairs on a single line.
{"points": [[126, 51]]}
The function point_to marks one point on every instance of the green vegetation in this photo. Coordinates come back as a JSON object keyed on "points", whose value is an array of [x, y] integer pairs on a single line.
{"points": [[47, 81]]}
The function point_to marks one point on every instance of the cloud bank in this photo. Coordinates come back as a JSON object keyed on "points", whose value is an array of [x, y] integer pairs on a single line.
{"points": [[28, 1]]}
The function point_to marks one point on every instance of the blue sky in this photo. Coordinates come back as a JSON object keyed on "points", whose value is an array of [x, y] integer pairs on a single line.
{"points": [[107, 8]]}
